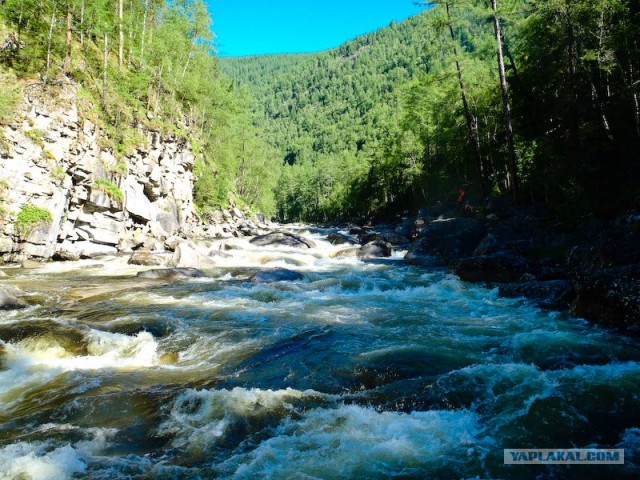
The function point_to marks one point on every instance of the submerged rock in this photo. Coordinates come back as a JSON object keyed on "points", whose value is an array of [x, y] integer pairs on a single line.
{"points": [[283, 239], [9, 300], [376, 249], [171, 273], [276, 275]]}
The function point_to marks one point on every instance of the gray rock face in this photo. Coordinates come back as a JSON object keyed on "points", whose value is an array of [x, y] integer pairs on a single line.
{"points": [[156, 182], [376, 249], [283, 239], [276, 275]]}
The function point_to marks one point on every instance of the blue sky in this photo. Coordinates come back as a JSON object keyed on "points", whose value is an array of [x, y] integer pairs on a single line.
{"points": [[255, 27]]}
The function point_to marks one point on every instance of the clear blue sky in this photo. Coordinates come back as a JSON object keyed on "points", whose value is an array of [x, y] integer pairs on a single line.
{"points": [[255, 27]]}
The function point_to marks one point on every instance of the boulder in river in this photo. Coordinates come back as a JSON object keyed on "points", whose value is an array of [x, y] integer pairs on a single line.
{"points": [[499, 268], [283, 239], [340, 239], [276, 275], [187, 256], [446, 241], [8, 299], [375, 249], [347, 253], [147, 259], [171, 273]]}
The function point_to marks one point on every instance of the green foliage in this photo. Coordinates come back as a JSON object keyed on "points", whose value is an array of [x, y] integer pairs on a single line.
{"points": [[59, 173], [31, 217], [109, 188], [10, 95], [169, 81], [36, 136]]}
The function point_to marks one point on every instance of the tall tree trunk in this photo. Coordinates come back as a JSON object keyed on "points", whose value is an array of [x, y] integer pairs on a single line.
{"points": [[49, 43], [471, 120], [104, 72], [82, 24], [514, 181], [121, 29], [572, 71], [67, 59], [144, 31]]}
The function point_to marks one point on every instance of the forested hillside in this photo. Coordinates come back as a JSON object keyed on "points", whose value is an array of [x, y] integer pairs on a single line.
{"points": [[140, 64], [534, 101]]}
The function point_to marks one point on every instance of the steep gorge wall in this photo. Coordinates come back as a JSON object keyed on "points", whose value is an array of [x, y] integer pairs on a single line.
{"points": [[53, 159]]}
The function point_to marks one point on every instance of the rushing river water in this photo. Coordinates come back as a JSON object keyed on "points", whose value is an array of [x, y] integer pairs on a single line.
{"points": [[360, 370]]}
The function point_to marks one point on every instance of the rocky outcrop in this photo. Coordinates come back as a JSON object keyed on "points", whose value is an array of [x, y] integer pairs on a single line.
{"points": [[100, 202]]}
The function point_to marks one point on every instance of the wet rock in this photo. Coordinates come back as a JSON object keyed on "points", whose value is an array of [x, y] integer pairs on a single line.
{"points": [[171, 273], [488, 246], [31, 265], [376, 249], [276, 275], [446, 241], [551, 294], [347, 253], [340, 239], [146, 259], [186, 256], [610, 296], [8, 300], [499, 268], [284, 239], [172, 243], [92, 250]]}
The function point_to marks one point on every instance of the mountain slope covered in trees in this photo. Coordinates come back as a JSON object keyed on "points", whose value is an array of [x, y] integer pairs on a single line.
{"points": [[415, 112], [141, 63]]}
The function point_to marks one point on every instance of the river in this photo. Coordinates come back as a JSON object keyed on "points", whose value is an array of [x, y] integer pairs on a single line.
{"points": [[360, 370]]}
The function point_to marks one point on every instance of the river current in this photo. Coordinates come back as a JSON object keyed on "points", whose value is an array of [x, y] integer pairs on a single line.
{"points": [[364, 370]]}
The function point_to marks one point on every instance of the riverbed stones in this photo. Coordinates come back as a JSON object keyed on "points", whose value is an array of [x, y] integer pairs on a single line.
{"points": [[500, 268], [186, 256], [283, 239]]}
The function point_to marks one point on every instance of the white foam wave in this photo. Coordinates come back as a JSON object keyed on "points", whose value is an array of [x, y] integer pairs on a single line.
{"points": [[200, 418], [357, 442]]}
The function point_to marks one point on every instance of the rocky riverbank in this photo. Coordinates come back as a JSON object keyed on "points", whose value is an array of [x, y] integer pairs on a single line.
{"points": [[593, 270], [67, 193]]}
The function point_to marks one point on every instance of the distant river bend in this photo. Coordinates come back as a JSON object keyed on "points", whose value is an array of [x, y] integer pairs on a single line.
{"points": [[359, 370]]}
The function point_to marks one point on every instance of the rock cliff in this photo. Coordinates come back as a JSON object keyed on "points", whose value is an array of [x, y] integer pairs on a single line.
{"points": [[99, 203]]}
